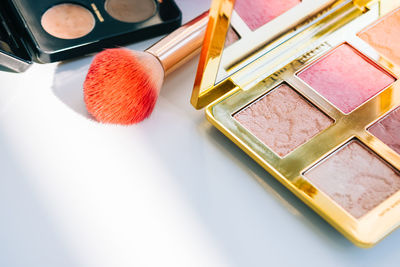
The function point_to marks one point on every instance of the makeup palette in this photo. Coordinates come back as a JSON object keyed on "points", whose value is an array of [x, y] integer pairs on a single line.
{"points": [[49, 31], [310, 90]]}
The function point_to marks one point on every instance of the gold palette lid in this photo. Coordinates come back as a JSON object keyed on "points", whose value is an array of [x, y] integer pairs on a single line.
{"points": [[236, 40]]}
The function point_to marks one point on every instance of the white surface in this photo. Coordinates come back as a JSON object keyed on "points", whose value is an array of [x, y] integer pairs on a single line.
{"points": [[171, 191]]}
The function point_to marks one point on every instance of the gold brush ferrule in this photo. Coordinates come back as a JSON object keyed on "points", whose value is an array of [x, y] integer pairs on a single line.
{"points": [[181, 45]]}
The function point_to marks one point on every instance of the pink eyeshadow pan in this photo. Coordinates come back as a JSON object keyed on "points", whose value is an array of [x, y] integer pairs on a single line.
{"points": [[346, 78], [283, 120], [257, 13], [355, 178], [388, 130]]}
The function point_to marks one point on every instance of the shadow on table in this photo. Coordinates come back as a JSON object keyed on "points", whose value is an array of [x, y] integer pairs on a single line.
{"points": [[28, 237], [68, 84]]}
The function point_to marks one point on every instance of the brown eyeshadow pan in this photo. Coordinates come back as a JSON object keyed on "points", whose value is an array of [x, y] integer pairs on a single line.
{"points": [[131, 10], [68, 21], [283, 120], [355, 178]]}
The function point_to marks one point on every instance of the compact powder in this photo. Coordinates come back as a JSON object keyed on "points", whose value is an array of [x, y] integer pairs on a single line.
{"points": [[257, 13], [68, 21], [388, 130], [283, 120], [131, 10], [346, 78], [384, 36], [356, 178]]}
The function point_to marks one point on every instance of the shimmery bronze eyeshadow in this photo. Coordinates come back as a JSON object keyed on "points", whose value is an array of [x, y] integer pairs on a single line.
{"points": [[355, 178], [283, 120], [131, 10], [68, 21]]}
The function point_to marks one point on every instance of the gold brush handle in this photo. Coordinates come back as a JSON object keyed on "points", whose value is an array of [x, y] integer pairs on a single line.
{"points": [[181, 45]]}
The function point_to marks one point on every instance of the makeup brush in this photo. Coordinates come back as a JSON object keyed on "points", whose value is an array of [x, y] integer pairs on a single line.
{"points": [[122, 86]]}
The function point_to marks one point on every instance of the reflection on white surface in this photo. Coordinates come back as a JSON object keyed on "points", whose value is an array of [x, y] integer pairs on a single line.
{"points": [[28, 237], [171, 191]]}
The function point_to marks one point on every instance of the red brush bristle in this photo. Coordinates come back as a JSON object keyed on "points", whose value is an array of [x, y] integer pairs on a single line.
{"points": [[122, 86]]}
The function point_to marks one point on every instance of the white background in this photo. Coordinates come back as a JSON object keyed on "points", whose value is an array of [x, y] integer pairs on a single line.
{"points": [[171, 191]]}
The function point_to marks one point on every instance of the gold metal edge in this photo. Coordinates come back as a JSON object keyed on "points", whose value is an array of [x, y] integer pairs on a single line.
{"points": [[210, 56], [355, 237], [290, 186]]}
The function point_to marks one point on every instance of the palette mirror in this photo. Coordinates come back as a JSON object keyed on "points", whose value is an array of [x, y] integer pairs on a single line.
{"points": [[258, 26]]}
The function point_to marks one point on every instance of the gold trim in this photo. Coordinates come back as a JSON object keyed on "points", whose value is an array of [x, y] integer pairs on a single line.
{"points": [[210, 55], [97, 12]]}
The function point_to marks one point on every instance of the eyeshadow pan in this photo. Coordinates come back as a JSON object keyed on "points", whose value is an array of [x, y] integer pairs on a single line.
{"points": [[355, 178], [68, 21], [388, 130], [257, 13], [131, 10], [5, 47], [346, 78], [283, 120], [384, 36]]}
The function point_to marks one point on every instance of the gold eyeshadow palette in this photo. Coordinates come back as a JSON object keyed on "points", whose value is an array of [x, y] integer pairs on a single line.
{"points": [[315, 100], [50, 30]]}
